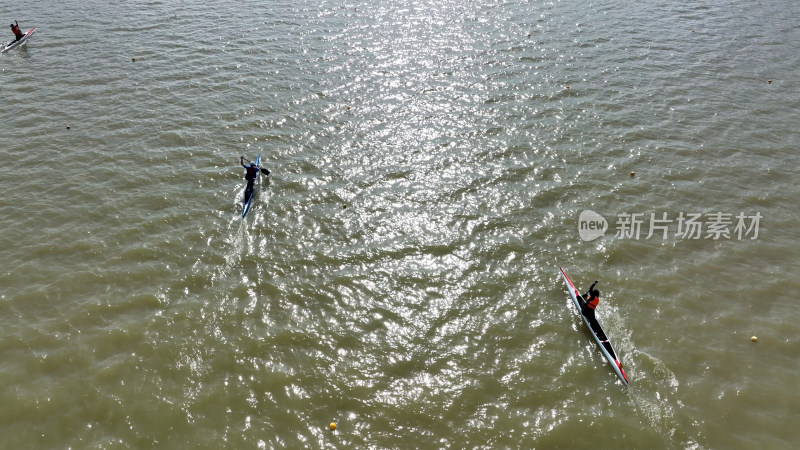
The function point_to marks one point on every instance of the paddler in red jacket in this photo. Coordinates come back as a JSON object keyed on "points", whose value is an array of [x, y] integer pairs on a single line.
{"points": [[15, 29], [589, 302]]}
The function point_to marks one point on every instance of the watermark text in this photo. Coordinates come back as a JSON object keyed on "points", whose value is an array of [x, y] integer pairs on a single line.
{"points": [[683, 226]]}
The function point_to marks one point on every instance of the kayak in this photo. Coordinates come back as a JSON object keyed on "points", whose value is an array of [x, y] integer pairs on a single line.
{"points": [[250, 193], [14, 44], [597, 331]]}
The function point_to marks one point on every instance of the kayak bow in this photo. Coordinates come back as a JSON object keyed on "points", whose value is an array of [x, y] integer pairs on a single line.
{"points": [[597, 331]]}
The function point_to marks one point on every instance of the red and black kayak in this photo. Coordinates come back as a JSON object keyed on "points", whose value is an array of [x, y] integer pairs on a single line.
{"points": [[597, 331]]}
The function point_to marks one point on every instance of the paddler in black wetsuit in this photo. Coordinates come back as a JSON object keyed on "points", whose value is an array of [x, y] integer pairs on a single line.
{"points": [[250, 174], [589, 302], [15, 29]]}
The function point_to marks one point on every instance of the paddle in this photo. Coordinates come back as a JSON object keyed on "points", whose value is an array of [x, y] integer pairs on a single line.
{"points": [[590, 289], [264, 171]]}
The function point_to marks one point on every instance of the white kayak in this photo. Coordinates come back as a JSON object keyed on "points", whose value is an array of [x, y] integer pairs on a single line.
{"points": [[597, 331], [14, 44]]}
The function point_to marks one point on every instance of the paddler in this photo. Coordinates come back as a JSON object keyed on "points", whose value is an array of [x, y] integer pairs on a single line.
{"points": [[250, 174], [15, 29], [589, 302]]}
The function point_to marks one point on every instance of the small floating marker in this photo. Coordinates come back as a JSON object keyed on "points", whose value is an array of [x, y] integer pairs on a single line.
{"points": [[769, 81], [567, 86], [348, 108], [344, 206], [68, 126], [633, 174], [133, 59], [332, 426], [754, 339]]}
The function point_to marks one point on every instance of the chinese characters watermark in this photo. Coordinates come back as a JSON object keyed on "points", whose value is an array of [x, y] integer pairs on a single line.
{"points": [[715, 226]]}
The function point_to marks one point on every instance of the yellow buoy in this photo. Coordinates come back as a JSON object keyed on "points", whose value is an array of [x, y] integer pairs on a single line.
{"points": [[754, 339], [344, 206], [633, 174], [333, 426]]}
